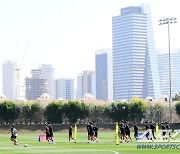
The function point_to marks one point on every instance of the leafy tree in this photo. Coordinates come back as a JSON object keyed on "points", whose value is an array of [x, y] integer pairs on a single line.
{"points": [[178, 108], [154, 113], [97, 113], [137, 109], [84, 111], [118, 111], [75, 110], [53, 112], [9, 111], [31, 112], [176, 97]]}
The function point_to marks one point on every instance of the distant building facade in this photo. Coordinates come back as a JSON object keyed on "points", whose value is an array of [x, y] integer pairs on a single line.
{"points": [[11, 83], [135, 67], [103, 64], [64, 89], [48, 73], [35, 85], [163, 63], [86, 83]]}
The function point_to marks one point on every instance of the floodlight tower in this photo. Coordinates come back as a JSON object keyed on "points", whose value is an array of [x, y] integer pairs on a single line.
{"points": [[168, 21]]}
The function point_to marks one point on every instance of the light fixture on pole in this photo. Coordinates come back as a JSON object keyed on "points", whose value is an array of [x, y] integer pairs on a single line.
{"points": [[169, 21]]}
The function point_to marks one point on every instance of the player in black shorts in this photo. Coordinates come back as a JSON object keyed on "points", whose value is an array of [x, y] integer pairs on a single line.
{"points": [[14, 135], [135, 130], [152, 127], [51, 140], [147, 127], [163, 127], [70, 132], [127, 131], [122, 131], [95, 129], [47, 132], [90, 132]]}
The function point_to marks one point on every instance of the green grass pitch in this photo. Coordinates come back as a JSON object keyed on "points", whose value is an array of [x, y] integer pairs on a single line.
{"points": [[105, 145]]}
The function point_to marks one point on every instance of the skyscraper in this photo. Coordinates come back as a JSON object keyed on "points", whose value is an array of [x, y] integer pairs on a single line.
{"points": [[79, 93], [64, 88], [163, 62], [48, 73], [11, 86], [104, 74], [86, 83], [135, 68]]}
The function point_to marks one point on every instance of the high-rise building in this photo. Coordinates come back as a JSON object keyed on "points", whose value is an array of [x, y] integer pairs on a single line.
{"points": [[11, 85], [64, 88], [135, 68], [104, 74], [48, 73], [79, 93], [163, 62], [86, 83], [35, 85]]}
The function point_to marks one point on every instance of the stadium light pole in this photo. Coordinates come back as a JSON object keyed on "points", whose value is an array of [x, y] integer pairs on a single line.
{"points": [[168, 21]]}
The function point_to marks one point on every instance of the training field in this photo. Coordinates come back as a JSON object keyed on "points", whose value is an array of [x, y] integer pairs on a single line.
{"points": [[106, 145]]}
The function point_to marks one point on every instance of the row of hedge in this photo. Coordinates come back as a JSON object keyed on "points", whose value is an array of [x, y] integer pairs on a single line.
{"points": [[74, 111]]}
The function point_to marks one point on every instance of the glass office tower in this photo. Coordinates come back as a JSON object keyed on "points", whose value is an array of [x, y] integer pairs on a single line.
{"points": [[135, 68], [163, 61]]}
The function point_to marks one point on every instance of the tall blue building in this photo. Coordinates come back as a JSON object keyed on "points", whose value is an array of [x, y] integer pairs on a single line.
{"points": [[103, 66], [163, 62], [135, 68]]}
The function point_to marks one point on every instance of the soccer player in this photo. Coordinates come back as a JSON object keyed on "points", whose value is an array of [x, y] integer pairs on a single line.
{"points": [[152, 127], [14, 135], [70, 132], [147, 127], [135, 130], [47, 132], [168, 128], [90, 132], [95, 129], [163, 128], [127, 131], [122, 131], [51, 140]]}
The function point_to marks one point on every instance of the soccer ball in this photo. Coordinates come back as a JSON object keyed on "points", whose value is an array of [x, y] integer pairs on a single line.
{"points": [[25, 145]]}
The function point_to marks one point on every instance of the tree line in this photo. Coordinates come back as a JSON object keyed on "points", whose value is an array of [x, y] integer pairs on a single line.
{"points": [[78, 112]]}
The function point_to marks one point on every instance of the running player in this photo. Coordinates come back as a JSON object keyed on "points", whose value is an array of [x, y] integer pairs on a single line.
{"points": [[51, 140], [152, 127], [47, 132], [70, 132], [135, 130], [147, 127], [163, 127], [90, 132], [122, 131], [95, 129], [127, 131], [14, 135]]}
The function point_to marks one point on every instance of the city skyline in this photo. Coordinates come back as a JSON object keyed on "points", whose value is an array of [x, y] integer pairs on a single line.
{"points": [[66, 34]]}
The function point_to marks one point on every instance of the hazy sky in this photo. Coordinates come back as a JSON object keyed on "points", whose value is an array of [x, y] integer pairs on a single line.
{"points": [[66, 33]]}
